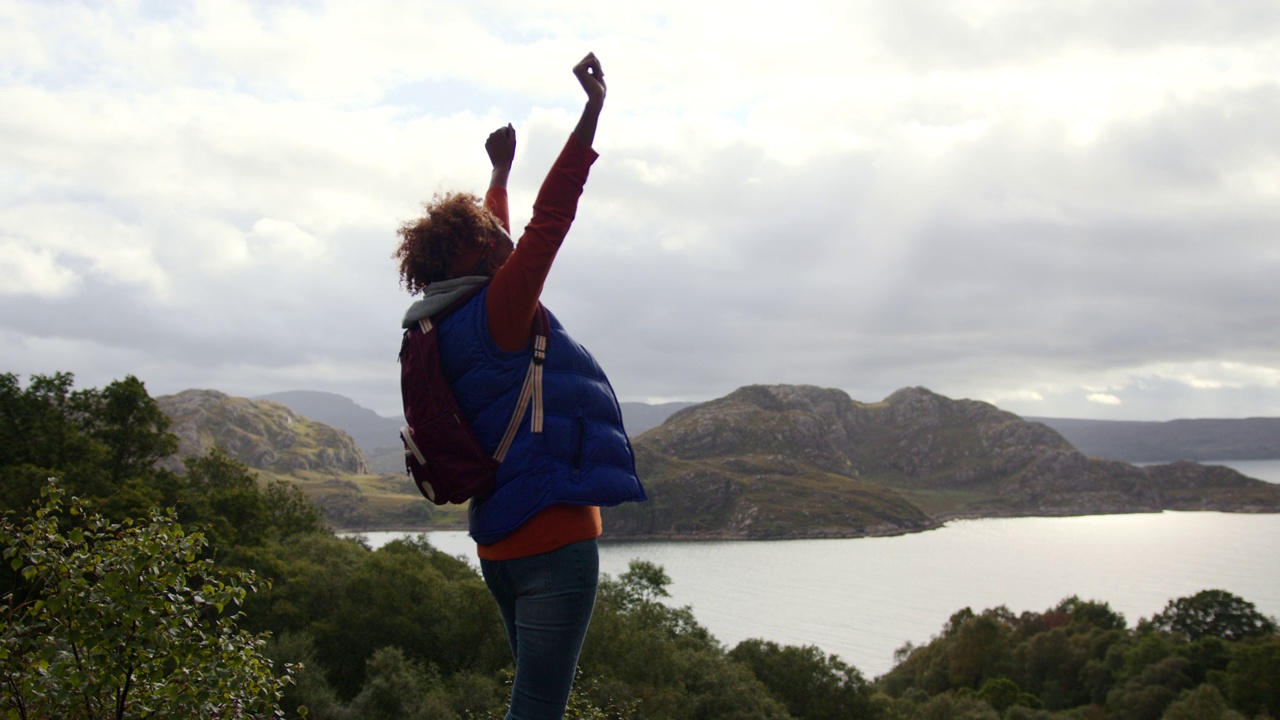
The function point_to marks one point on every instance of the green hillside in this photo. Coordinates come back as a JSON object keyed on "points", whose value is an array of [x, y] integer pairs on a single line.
{"points": [[323, 461], [764, 462], [801, 461]]}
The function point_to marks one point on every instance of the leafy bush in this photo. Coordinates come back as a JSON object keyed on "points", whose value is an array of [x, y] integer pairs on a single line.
{"points": [[812, 684], [114, 620]]}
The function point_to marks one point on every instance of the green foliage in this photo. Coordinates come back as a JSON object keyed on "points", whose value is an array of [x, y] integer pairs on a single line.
{"points": [[1003, 693], [1090, 613], [396, 688], [116, 614], [582, 707], [1203, 703], [812, 684], [223, 497], [310, 690], [1058, 655], [979, 648], [104, 446], [971, 649], [1209, 657], [1253, 677], [129, 423], [661, 660], [38, 433], [1146, 695], [1078, 661], [118, 620], [1213, 613], [352, 602], [102, 443], [957, 706]]}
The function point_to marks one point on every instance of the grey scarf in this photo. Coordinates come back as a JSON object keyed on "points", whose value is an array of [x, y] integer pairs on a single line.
{"points": [[438, 296]]}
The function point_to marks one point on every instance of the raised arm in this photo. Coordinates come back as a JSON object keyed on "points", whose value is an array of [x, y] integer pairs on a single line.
{"points": [[591, 77], [501, 146], [517, 285]]}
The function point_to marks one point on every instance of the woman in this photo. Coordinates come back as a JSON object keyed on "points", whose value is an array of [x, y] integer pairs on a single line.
{"points": [[536, 532]]}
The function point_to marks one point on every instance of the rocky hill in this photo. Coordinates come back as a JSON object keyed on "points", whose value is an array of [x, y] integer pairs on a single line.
{"points": [[802, 461], [285, 445], [369, 430], [763, 462], [262, 434], [377, 436]]}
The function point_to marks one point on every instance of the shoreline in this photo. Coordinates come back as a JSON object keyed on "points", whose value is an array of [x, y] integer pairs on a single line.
{"points": [[938, 523]]}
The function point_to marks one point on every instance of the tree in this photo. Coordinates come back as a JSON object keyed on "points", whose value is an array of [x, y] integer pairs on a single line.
{"points": [[221, 495], [957, 706], [659, 659], [396, 688], [38, 437], [1091, 613], [812, 684], [1203, 703], [638, 593], [1003, 693], [1215, 613], [1253, 678], [979, 647], [131, 425], [35, 423], [1147, 695], [115, 620], [102, 444], [352, 602]]}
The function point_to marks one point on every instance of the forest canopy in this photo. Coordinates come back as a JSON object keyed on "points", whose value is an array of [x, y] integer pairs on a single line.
{"points": [[131, 590]]}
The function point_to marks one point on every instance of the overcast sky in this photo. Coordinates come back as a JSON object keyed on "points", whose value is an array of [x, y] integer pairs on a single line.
{"points": [[1067, 208]]}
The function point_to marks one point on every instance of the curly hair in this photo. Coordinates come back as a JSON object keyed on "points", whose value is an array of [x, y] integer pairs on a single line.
{"points": [[454, 223]]}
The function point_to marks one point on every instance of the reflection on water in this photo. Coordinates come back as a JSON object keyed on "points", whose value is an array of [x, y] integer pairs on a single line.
{"points": [[863, 598]]}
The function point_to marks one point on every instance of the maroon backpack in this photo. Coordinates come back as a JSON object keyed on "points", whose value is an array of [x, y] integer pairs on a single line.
{"points": [[441, 452]]}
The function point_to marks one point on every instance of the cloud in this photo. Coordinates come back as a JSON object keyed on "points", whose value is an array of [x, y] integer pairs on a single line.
{"points": [[991, 199], [1103, 398], [1218, 375], [24, 271]]}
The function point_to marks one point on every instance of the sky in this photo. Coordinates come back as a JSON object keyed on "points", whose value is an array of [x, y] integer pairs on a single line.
{"points": [[1067, 208]]}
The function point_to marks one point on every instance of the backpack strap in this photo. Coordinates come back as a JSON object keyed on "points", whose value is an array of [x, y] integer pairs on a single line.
{"points": [[532, 388]]}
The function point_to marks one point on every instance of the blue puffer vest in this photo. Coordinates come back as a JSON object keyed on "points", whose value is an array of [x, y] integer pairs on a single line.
{"points": [[582, 456]]}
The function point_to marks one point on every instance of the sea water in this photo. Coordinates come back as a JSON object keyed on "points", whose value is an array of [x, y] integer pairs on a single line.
{"points": [[863, 598]]}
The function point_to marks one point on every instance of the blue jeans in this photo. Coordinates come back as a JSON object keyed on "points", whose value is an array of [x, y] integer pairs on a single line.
{"points": [[546, 602]]}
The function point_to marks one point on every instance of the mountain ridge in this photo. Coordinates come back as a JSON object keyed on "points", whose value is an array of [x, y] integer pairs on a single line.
{"points": [[264, 435], [917, 457], [282, 444], [763, 462], [1255, 438], [367, 428], [1196, 439]]}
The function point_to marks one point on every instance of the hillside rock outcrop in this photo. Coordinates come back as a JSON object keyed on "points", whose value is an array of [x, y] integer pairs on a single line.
{"points": [[262, 434], [802, 461]]}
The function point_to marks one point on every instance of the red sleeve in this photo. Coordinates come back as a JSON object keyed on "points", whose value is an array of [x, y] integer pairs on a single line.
{"points": [[514, 291]]}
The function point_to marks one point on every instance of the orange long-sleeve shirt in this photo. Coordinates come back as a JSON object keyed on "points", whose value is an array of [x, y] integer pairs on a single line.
{"points": [[512, 302]]}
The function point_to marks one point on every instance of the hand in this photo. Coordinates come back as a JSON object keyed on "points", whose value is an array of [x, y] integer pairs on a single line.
{"points": [[501, 147], [591, 77]]}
